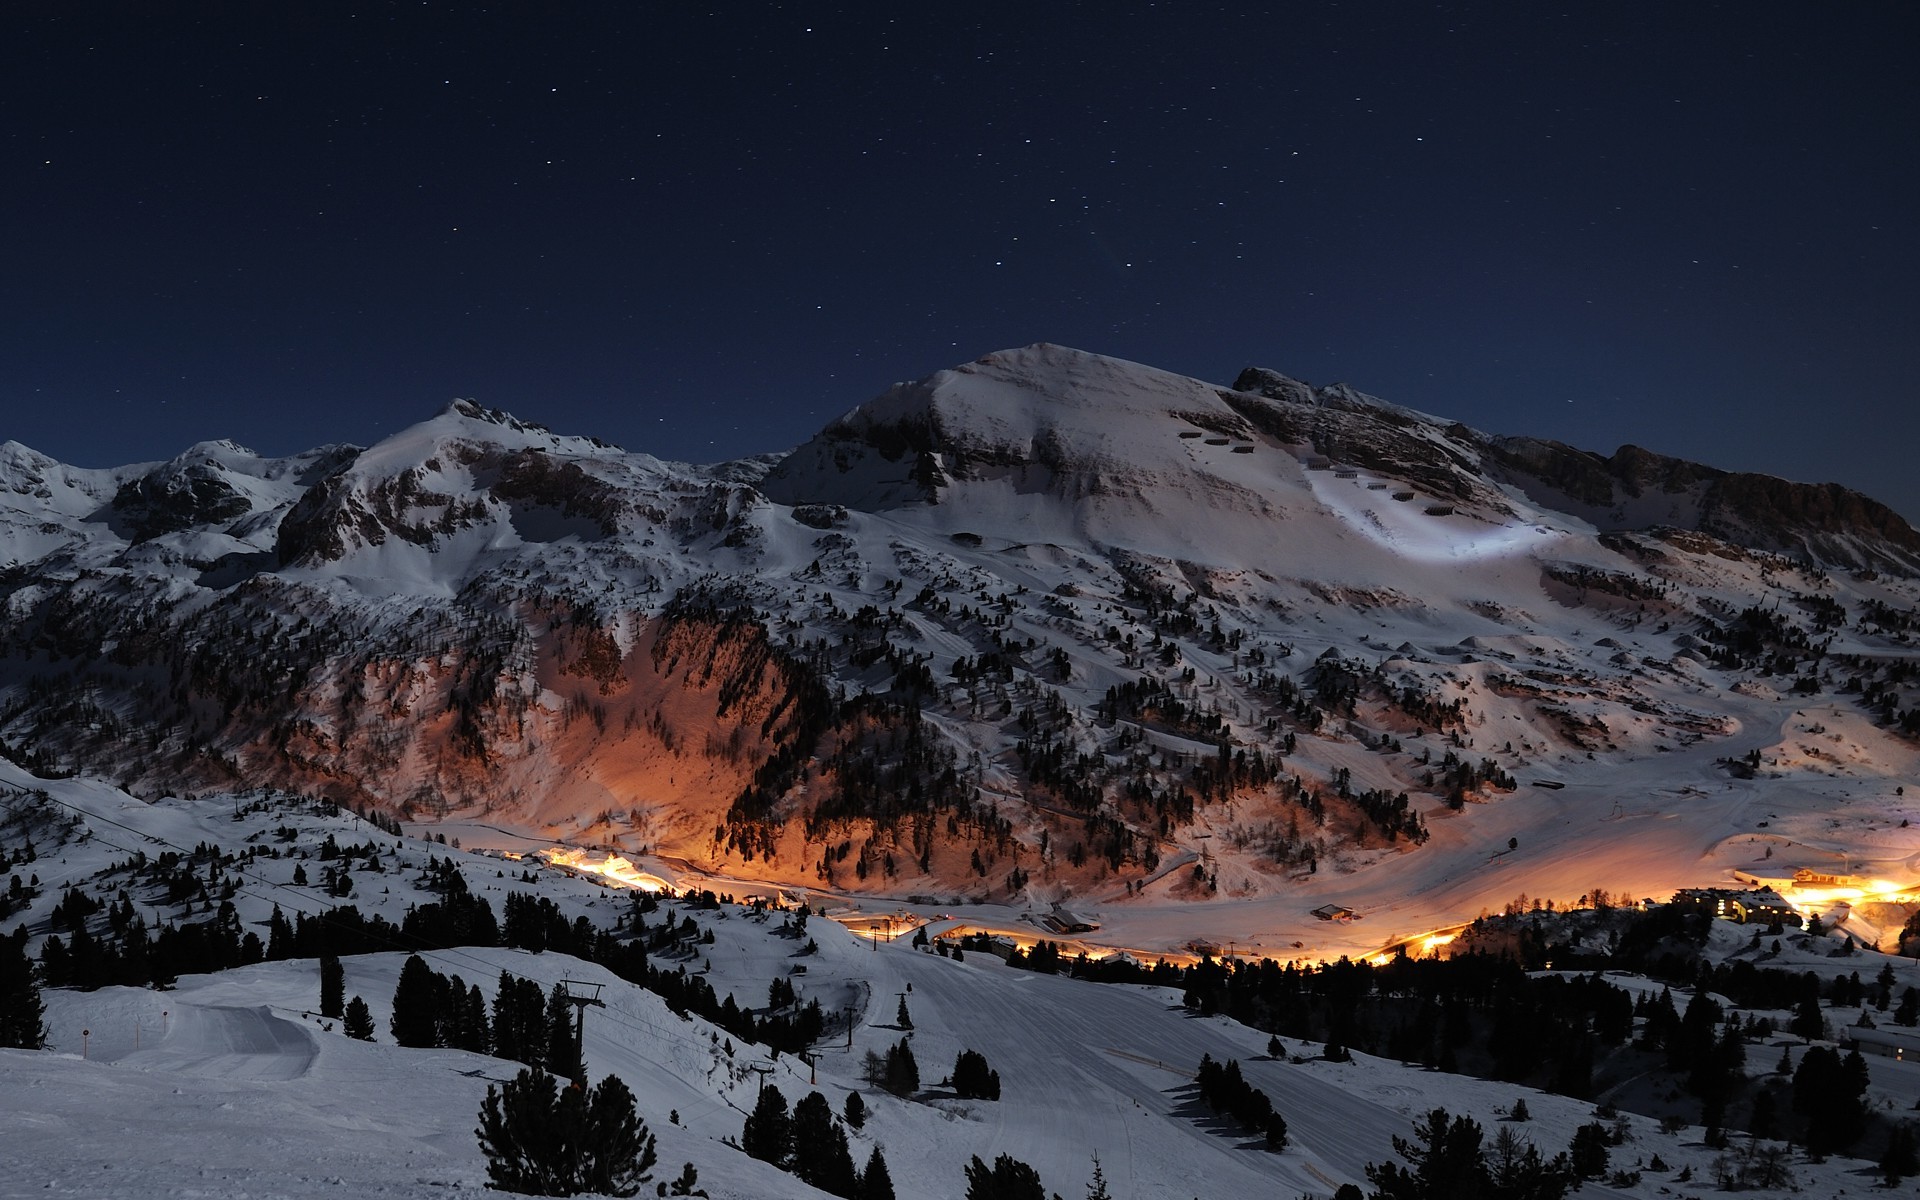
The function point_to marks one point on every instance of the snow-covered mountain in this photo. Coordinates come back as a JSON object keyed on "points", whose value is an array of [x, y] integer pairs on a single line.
{"points": [[1044, 627]]}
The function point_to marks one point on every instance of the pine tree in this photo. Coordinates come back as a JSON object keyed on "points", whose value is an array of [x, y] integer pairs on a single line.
{"points": [[1589, 1151], [903, 1073], [876, 1182], [617, 1152], [528, 1148], [1516, 1170], [563, 1049], [415, 1001], [1097, 1186], [1445, 1156], [819, 1154], [22, 1024], [1807, 1021], [280, 942], [358, 1022], [900, 1016], [333, 984], [768, 1134], [546, 1141], [519, 1021], [468, 1027], [856, 1110]]}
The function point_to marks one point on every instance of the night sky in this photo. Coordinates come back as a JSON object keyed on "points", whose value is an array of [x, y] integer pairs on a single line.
{"points": [[703, 235]]}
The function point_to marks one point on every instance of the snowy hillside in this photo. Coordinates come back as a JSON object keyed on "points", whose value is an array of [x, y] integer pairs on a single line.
{"points": [[230, 1084]]}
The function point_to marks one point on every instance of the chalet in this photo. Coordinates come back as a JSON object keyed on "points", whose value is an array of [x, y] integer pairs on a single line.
{"points": [[1334, 912], [1062, 921], [1761, 906]]}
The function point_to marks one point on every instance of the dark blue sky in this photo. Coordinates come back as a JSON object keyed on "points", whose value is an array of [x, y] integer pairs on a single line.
{"points": [[1686, 226]]}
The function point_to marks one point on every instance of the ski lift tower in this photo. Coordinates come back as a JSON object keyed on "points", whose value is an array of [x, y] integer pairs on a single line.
{"points": [[581, 996]]}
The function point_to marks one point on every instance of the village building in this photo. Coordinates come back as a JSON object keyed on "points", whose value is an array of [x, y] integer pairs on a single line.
{"points": [[1759, 906]]}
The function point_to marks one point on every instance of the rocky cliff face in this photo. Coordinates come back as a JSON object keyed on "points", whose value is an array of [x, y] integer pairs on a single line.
{"points": [[1638, 489]]}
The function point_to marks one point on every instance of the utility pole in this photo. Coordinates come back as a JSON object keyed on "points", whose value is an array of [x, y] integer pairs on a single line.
{"points": [[574, 992]]}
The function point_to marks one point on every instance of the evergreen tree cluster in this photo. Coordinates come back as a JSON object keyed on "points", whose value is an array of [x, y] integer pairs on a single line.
{"points": [[1829, 1095], [458, 918], [111, 944], [22, 1023], [431, 1009], [811, 1144], [1445, 1160], [1225, 1091], [535, 923], [973, 1079], [1044, 957], [1007, 1179], [544, 1140], [895, 1071]]}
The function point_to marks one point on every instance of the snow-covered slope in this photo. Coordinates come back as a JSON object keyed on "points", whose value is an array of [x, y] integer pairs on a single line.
{"points": [[231, 1085]]}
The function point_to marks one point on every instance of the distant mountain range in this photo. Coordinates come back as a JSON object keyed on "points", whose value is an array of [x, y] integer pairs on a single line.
{"points": [[1044, 624]]}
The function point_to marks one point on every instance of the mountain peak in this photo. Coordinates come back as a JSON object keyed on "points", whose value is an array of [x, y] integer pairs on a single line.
{"points": [[468, 409]]}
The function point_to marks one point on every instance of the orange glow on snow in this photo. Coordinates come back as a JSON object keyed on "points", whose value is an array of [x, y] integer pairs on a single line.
{"points": [[1811, 900], [611, 867], [886, 926]]}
